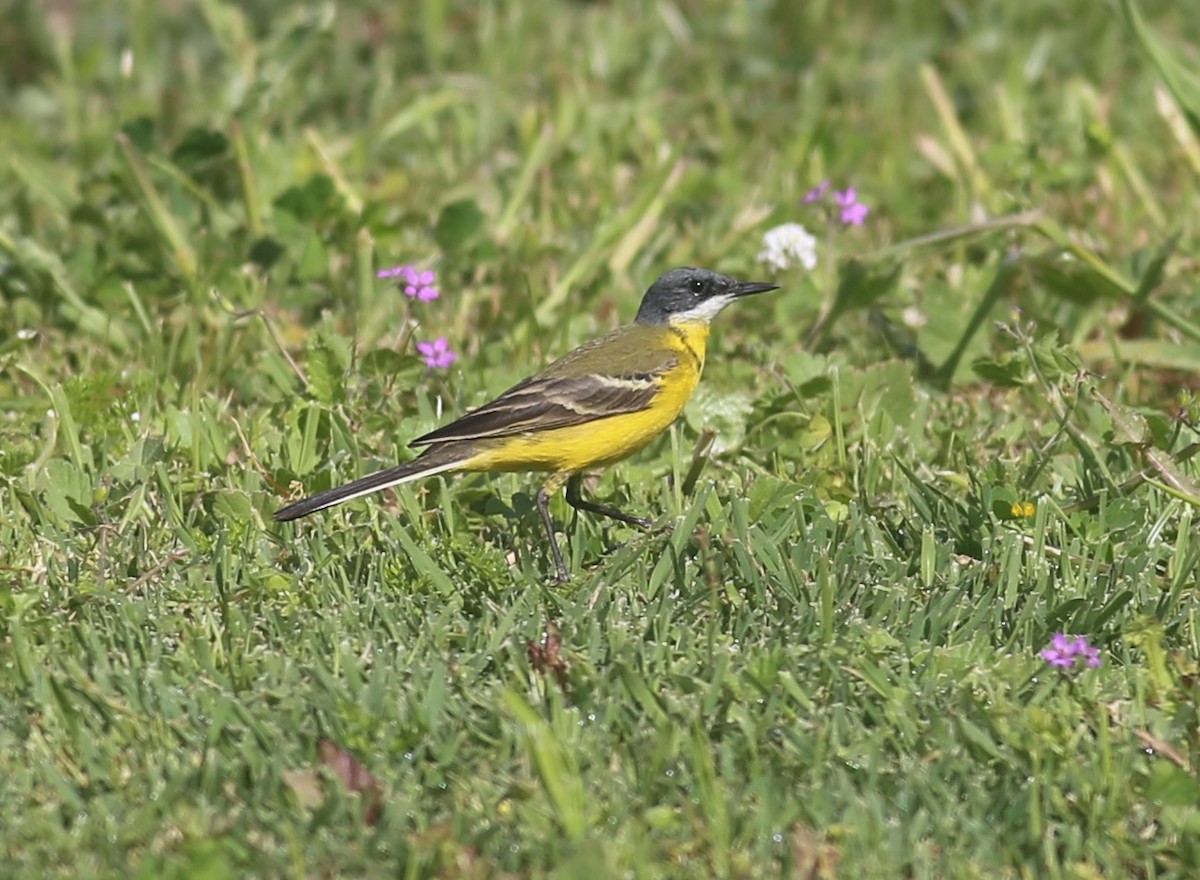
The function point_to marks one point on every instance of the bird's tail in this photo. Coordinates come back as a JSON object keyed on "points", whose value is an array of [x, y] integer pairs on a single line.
{"points": [[434, 460]]}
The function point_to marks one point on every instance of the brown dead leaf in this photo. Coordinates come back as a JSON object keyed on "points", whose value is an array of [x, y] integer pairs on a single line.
{"points": [[812, 857], [355, 777], [1160, 747], [547, 657], [306, 786]]}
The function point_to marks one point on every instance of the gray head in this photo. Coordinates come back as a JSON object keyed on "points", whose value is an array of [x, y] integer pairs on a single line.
{"points": [[689, 294]]}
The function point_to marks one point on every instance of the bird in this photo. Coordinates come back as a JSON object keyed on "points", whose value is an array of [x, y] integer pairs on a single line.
{"points": [[594, 406]]}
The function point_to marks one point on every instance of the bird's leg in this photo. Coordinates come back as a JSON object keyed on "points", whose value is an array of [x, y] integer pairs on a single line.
{"points": [[543, 504], [575, 500]]}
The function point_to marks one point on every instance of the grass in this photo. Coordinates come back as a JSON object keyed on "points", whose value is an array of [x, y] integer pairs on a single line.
{"points": [[828, 668]]}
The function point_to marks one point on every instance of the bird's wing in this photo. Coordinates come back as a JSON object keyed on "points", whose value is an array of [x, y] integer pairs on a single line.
{"points": [[567, 393]]}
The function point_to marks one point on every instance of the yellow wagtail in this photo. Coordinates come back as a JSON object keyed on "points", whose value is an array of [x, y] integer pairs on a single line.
{"points": [[594, 406]]}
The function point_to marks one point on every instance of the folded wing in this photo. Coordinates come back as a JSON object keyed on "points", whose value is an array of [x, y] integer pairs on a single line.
{"points": [[550, 401]]}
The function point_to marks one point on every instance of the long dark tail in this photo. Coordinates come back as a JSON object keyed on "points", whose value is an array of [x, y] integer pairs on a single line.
{"points": [[434, 460]]}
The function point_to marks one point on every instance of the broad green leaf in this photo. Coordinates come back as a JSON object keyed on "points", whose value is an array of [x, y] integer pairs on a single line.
{"points": [[726, 413], [325, 374], [458, 223], [1172, 786]]}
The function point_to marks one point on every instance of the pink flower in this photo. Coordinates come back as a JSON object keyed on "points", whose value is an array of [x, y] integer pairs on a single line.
{"points": [[817, 192], [854, 212], [1065, 649], [417, 283], [437, 354]]}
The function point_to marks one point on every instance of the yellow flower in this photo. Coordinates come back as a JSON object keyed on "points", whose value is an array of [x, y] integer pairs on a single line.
{"points": [[1023, 509]]}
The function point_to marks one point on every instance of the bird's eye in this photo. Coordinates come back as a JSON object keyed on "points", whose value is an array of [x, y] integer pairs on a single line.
{"points": [[697, 286]]}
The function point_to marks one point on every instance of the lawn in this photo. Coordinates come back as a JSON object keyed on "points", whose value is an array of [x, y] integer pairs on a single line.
{"points": [[973, 424]]}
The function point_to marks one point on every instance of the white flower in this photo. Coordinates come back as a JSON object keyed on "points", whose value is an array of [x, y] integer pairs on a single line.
{"points": [[786, 245]]}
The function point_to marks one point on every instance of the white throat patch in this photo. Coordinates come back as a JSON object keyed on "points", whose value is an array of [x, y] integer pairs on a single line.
{"points": [[706, 310]]}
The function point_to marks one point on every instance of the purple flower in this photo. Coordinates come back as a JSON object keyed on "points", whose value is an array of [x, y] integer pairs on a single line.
{"points": [[817, 192], [437, 354], [1060, 652], [854, 212], [417, 283], [1064, 650], [1088, 653]]}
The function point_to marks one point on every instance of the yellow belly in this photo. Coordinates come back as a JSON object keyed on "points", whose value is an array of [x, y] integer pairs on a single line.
{"points": [[593, 444]]}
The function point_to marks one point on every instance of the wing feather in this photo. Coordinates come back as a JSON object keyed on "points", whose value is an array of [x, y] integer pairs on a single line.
{"points": [[549, 401]]}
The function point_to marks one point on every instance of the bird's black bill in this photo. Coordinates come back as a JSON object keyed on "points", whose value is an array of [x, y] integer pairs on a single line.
{"points": [[749, 288]]}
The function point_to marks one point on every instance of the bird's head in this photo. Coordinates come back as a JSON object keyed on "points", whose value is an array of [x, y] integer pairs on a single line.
{"points": [[693, 295]]}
